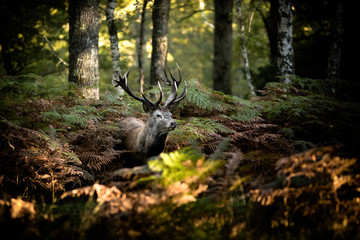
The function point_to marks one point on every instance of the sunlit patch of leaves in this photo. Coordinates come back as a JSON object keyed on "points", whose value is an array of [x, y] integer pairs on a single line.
{"points": [[317, 182], [186, 165]]}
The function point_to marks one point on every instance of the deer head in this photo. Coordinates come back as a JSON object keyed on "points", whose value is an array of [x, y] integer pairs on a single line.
{"points": [[150, 138]]}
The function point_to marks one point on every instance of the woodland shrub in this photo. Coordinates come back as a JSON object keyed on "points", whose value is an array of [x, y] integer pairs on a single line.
{"points": [[234, 186]]}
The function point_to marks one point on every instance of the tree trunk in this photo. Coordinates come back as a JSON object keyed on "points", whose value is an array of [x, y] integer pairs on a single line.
{"points": [[114, 42], [223, 45], [83, 46], [285, 61], [333, 68], [141, 44], [271, 27], [160, 18], [243, 49]]}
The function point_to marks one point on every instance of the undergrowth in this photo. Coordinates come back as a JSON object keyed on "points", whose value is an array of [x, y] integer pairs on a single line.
{"points": [[245, 174]]}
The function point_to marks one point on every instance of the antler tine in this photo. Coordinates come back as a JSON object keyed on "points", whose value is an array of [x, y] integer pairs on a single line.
{"points": [[157, 103], [177, 81], [167, 81], [146, 100], [161, 94], [181, 96], [172, 95], [173, 98], [123, 82]]}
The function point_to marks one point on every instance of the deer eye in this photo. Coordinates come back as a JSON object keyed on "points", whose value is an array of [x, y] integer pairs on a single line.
{"points": [[158, 115]]}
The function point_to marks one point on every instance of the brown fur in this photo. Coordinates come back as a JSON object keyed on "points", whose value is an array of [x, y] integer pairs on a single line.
{"points": [[130, 128]]}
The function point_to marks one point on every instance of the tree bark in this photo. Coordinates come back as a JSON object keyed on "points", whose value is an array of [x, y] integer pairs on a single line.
{"points": [[243, 49], [83, 46], [333, 68], [141, 44], [285, 61], [223, 45], [160, 18], [114, 43], [271, 28]]}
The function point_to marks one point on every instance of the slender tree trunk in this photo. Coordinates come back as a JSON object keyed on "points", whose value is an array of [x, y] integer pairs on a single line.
{"points": [[285, 61], [223, 45], [333, 68], [243, 49], [83, 46], [271, 27], [114, 43], [160, 18], [141, 44]]}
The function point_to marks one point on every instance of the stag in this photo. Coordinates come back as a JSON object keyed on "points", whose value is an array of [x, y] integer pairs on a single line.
{"points": [[149, 138]]}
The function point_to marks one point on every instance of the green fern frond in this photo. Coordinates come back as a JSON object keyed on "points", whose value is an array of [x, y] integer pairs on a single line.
{"points": [[184, 165], [201, 99], [110, 110], [72, 157], [209, 126], [198, 129], [246, 114], [77, 116], [287, 132]]}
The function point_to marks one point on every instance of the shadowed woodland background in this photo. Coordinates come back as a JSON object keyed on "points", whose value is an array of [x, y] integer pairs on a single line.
{"points": [[279, 163]]}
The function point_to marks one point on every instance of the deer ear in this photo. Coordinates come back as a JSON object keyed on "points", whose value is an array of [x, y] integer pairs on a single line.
{"points": [[147, 108]]}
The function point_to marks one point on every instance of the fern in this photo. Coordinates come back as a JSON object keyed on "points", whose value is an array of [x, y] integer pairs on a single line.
{"points": [[198, 129], [247, 113], [30, 86], [307, 109], [77, 116], [110, 111], [209, 126], [183, 165], [206, 100], [319, 182], [72, 157]]}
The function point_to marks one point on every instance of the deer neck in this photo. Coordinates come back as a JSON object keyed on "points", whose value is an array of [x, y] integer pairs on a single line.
{"points": [[151, 140]]}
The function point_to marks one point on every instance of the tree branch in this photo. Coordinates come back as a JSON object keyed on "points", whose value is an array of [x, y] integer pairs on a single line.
{"points": [[53, 50]]}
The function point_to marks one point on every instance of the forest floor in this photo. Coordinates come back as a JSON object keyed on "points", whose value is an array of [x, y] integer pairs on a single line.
{"points": [[280, 166]]}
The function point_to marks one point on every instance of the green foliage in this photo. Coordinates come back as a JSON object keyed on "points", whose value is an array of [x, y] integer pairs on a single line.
{"points": [[247, 112], [186, 165], [304, 100], [30, 88], [200, 97], [198, 129], [206, 101], [307, 109], [77, 116], [191, 195], [22, 41]]}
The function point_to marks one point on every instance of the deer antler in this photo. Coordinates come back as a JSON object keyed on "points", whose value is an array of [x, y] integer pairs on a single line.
{"points": [[173, 98], [123, 82]]}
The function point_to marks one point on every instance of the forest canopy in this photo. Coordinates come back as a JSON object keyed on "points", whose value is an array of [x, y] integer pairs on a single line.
{"points": [[262, 97], [38, 41]]}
